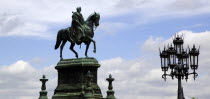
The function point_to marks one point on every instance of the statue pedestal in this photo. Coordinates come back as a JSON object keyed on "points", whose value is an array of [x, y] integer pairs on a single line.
{"points": [[71, 78], [43, 94]]}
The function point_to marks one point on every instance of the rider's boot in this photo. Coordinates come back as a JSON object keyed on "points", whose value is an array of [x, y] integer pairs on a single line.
{"points": [[79, 39]]}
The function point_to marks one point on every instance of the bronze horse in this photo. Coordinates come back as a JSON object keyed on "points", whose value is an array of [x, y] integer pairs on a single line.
{"points": [[67, 34]]}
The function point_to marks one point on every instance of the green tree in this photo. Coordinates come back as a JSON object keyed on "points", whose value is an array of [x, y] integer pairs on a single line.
{"points": [[194, 98]]}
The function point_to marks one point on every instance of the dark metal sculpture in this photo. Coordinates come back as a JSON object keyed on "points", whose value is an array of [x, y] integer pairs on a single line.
{"points": [[178, 60], [80, 32], [89, 90], [73, 83]]}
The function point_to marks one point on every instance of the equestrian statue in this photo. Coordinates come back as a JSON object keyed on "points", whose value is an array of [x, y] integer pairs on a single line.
{"points": [[80, 32]]}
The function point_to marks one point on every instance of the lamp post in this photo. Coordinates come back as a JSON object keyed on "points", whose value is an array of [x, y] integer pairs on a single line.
{"points": [[178, 60]]}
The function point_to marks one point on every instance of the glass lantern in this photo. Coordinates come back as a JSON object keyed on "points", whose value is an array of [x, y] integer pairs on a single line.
{"points": [[164, 60], [178, 44], [185, 61], [171, 57], [194, 58]]}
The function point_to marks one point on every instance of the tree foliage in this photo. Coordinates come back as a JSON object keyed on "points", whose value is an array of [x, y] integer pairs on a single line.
{"points": [[194, 98]]}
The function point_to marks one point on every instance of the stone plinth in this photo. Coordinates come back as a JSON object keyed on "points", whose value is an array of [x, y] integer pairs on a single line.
{"points": [[71, 78], [43, 94]]}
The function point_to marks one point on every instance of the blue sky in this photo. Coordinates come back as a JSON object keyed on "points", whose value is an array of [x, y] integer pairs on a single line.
{"points": [[128, 39]]}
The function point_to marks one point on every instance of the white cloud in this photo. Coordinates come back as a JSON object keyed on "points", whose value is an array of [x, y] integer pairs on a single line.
{"points": [[142, 77], [36, 60], [152, 43], [110, 28], [199, 39], [36, 18], [135, 78], [18, 67], [21, 81], [147, 83], [16, 25], [190, 38], [190, 6]]}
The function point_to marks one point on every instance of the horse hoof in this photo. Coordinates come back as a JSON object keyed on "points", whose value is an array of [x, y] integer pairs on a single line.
{"points": [[61, 59], [94, 51]]}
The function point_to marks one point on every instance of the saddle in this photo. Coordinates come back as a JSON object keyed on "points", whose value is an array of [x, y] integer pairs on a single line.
{"points": [[71, 34], [74, 37]]}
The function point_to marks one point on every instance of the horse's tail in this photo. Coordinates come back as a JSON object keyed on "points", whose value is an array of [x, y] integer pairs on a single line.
{"points": [[59, 38]]}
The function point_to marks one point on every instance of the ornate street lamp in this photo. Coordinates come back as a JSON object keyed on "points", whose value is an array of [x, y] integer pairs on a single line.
{"points": [[179, 60]]}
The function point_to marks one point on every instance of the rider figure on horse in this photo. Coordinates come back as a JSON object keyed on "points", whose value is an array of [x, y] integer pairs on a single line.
{"points": [[77, 25], [80, 32]]}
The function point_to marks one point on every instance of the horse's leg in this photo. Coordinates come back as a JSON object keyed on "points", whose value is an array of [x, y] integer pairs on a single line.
{"points": [[61, 48], [94, 43], [87, 47], [72, 49]]}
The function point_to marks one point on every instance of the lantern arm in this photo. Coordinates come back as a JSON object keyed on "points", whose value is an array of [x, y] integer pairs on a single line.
{"points": [[193, 73], [164, 76]]}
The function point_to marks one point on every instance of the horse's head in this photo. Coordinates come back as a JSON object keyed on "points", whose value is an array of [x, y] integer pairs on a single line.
{"points": [[93, 19], [96, 18]]}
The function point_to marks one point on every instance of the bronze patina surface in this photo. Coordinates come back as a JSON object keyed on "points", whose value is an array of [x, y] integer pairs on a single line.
{"points": [[77, 77], [80, 32], [72, 80]]}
